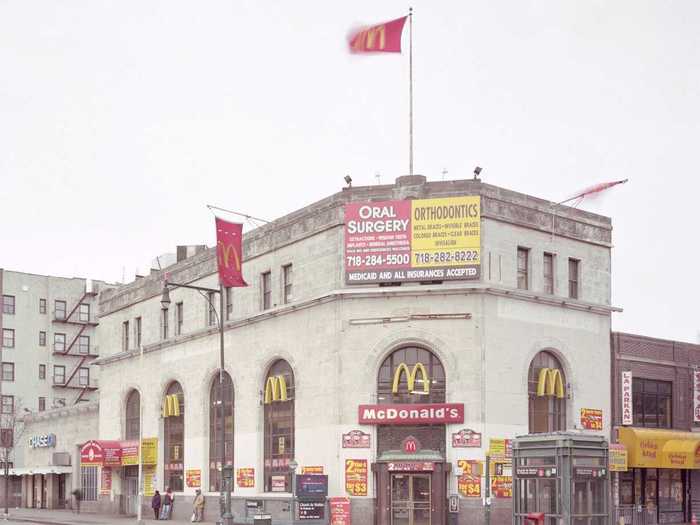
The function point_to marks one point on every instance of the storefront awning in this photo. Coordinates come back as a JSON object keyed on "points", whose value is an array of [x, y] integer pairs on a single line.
{"points": [[652, 448], [25, 471]]}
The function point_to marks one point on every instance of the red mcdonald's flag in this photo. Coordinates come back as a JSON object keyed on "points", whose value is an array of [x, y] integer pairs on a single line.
{"points": [[382, 38], [229, 252]]}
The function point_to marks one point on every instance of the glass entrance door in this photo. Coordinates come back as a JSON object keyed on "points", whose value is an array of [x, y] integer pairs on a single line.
{"points": [[410, 499]]}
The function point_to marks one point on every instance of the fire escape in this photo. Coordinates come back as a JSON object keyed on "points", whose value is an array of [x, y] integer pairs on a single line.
{"points": [[83, 319]]}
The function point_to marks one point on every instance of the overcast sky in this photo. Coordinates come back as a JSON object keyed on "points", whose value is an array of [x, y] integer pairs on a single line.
{"points": [[120, 120]]}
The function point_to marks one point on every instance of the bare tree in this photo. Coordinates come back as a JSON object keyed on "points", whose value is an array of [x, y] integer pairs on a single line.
{"points": [[11, 430]]}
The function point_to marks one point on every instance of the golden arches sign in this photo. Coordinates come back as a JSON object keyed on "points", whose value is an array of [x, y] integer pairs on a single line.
{"points": [[229, 254], [410, 378], [171, 406], [370, 39], [550, 383], [275, 389]]}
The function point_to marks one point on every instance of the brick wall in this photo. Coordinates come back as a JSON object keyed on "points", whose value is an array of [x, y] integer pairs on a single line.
{"points": [[658, 359]]}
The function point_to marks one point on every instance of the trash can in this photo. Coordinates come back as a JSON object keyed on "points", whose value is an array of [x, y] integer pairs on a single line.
{"points": [[262, 519]]}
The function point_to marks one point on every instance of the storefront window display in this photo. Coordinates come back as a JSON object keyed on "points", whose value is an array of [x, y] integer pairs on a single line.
{"points": [[279, 426]]}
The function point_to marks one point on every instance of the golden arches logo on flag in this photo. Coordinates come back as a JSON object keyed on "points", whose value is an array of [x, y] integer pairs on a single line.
{"points": [[171, 406], [382, 38], [410, 378], [275, 389], [229, 252], [550, 383]]}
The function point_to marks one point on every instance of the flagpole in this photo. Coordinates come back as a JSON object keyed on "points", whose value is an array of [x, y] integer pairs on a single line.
{"points": [[410, 90]]}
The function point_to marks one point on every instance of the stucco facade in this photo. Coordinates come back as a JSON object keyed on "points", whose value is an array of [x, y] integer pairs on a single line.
{"points": [[335, 337]]}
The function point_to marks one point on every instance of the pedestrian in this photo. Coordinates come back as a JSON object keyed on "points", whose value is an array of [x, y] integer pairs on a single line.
{"points": [[155, 504], [167, 508], [78, 495], [198, 514]]}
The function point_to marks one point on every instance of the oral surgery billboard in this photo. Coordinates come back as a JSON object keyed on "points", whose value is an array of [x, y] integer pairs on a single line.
{"points": [[413, 240]]}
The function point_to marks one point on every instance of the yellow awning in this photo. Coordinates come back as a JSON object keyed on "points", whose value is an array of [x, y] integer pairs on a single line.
{"points": [[653, 448]]}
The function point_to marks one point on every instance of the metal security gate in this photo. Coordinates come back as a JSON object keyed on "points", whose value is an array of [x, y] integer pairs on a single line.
{"points": [[132, 496]]}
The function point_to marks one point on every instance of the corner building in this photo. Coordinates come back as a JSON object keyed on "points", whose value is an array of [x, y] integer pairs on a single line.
{"points": [[396, 391]]}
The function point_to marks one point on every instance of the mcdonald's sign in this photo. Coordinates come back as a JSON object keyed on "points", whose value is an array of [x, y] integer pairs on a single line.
{"points": [[550, 383], [410, 378], [171, 406], [275, 389]]}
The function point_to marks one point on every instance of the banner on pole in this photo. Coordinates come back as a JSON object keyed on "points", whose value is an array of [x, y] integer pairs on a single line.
{"points": [[382, 38], [229, 253]]}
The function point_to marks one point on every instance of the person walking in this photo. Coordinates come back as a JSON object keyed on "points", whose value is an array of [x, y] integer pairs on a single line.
{"points": [[167, 508], [155, 504], [78, 495], [198, 506]]}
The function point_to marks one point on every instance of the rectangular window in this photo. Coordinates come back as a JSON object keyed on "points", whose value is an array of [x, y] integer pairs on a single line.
{"points": [[287, 283], [211, 309], [88, 483], [84, 313], [84, 376], [266, 289], [84, 344], [42, 371], [8, 404], [179, 320], [652, 401], [42, 404], [8, 304], [59, 374], [59, 342], [8, 371], [137, 332], [59, 308], [8, 338], [229, 303], [42, 338], [125, 336], [573, 278], [42, 306], [548, 273], [164, 323], [523, 265]]}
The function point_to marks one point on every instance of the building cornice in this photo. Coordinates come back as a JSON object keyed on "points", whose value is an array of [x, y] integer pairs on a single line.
{"points": [[373, 293], [498, 204]]}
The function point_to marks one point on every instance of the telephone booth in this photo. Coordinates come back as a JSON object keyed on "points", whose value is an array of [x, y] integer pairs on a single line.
{"points": [[563, 475]]}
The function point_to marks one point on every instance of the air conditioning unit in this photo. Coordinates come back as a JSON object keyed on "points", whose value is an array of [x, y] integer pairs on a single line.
{"points": [[60, 459]]}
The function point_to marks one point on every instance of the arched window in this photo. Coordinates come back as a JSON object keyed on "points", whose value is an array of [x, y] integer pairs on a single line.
{"points": [[133, 417], [215, 433], [421, 379], [411, 374], [278, 392], [546, 388], [174, 415]]}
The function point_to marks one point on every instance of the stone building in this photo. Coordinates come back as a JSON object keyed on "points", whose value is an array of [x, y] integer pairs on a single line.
{"points": [[656, 417], [396, 388]]}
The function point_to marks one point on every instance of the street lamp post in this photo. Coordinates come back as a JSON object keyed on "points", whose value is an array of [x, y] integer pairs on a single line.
{"points": [[293, 467], [226, 516]]}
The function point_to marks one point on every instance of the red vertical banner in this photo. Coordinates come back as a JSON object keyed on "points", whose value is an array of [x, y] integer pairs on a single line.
{"points": [[229, 252]]}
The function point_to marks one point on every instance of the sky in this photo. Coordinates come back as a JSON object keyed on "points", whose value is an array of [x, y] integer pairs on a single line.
{"points": [[120, 120]]}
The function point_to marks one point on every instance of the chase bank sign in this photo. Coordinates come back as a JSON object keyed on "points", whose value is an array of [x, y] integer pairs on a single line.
{"points": [[43, 441]]}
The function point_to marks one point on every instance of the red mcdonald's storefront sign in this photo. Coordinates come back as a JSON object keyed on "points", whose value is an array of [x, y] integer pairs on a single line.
{"points": [[411, 414]]}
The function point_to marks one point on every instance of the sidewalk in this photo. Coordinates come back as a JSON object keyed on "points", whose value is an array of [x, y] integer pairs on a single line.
{"points": [[67, 517]]}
